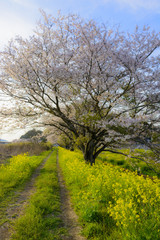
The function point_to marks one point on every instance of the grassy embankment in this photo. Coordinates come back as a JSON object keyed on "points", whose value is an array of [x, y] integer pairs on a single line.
{"points": [[14, 175], [112, 203], [132, 164], [40, 219]]}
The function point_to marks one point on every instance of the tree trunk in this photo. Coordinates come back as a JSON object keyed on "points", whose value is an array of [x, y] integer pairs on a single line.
{"points": [[89, 153], [89, 158]]}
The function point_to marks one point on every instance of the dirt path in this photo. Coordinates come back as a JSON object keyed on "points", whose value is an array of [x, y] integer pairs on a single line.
{"points": [[15, 209], [68, 215]]}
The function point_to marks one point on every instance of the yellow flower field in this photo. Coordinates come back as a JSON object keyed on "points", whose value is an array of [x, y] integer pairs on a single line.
{"points": [[112, 203], [17, 171]]}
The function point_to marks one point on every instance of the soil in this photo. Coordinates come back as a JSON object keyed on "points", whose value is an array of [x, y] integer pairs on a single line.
{"points": [[68, 216]]}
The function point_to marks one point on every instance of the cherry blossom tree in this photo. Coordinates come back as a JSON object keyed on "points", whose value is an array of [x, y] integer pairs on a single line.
{"points": [[96, 85]]}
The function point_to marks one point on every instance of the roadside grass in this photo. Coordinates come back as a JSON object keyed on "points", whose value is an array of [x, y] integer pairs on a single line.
{"points": [[41, 216], [112, 203], [13, 176], [132, 164]]}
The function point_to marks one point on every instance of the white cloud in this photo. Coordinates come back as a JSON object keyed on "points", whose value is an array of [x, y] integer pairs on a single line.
{"points": [[12, 25], [16, 20], [12, 135]]}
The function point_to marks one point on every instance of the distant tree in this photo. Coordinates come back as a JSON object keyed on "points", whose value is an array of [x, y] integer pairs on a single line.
{"points": [[98, 86], [34, 135], [31, 133]]}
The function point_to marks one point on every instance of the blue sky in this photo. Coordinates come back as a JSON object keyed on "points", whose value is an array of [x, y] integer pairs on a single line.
{"points": [[19, 17]]}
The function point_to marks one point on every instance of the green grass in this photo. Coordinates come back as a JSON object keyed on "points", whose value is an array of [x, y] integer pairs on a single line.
{"points": [[132, 164], [41, 216]]}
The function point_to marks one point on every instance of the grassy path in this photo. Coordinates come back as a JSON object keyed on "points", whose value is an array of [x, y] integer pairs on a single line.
{"points": [[13, 205], [41, 215]]}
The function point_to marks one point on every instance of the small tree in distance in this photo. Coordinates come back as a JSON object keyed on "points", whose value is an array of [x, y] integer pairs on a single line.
{"points": [[31, 133], [34, 135], [96, 85]]}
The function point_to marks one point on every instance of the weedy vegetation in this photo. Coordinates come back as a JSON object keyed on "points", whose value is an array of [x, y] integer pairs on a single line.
{"points": [[112, 203], [14, 175], [17, 171]]}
